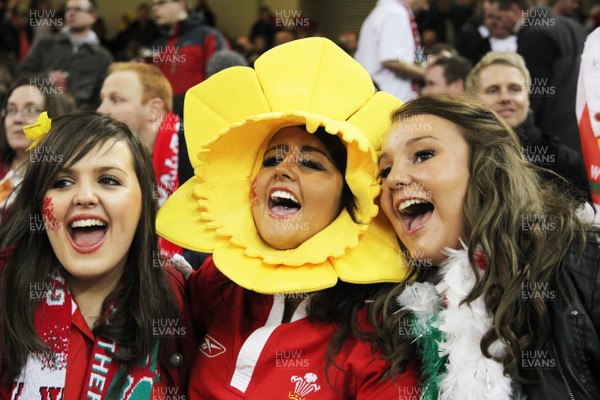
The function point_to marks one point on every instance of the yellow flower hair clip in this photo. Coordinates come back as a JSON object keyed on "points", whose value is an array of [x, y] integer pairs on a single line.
{"points": [[38, 130]]}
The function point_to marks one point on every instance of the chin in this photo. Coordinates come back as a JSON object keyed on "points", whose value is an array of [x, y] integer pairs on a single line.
{"points": [[279, 244], [276, 240]]}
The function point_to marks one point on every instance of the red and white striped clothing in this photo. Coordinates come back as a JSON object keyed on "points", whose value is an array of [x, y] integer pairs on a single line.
{"points": [[248, 353]]}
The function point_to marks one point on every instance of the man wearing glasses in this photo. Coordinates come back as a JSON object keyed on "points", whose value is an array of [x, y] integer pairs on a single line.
{"points": [[181, 53], [73, 59]]}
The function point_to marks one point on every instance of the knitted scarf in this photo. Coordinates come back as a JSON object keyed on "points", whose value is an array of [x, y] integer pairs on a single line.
{"points": [[448, 335], [44, 375]]}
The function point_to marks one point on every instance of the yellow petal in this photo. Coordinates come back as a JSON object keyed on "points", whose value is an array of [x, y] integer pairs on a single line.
{"points": [[229, 120], [218, 102], [313, 75], [253, 274], [37, 131]]}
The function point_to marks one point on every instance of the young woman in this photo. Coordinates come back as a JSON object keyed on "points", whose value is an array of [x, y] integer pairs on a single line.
{"points": [[506, 272], [283, 197], [88, 308], [26, 99]]}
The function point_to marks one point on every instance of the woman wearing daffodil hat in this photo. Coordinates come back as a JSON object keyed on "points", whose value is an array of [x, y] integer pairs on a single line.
{"points": [[284, 197]]}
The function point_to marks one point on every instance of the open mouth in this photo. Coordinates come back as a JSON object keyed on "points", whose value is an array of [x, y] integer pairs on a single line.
{"points": [[283, 203], [87, 235], [415, 213]]}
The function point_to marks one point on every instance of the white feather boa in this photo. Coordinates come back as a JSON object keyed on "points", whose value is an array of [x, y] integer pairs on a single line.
{"points": [[469, 375]]}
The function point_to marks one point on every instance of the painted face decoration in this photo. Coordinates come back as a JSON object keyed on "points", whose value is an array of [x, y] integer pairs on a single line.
{"points": [[92, 211]]}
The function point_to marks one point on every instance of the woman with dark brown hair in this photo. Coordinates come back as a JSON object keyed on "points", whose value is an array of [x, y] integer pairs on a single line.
{"points": [[284, 199], [88, 306]]}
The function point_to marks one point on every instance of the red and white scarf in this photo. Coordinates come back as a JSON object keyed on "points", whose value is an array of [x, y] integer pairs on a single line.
{"points": [[45, 373], [165, 162], [165, 157]]}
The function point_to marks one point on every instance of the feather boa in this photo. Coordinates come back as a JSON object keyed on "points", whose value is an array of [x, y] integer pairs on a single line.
{"points": [[455, 331]]}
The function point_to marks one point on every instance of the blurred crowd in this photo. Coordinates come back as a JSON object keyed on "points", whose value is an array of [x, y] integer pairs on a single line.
{"points": [[408, 46]]}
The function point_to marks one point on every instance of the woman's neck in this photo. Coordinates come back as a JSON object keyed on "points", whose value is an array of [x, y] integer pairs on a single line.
{"points": [[91, 294]]}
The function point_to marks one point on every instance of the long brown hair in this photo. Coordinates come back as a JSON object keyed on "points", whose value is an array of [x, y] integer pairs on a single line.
{"points": [[144, 292], [523, 225]]}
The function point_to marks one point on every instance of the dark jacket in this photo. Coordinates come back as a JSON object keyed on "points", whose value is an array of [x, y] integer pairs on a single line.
{"points": [[551, 46], [470, 43], [571, 369], [545, 150], [86, 65]]}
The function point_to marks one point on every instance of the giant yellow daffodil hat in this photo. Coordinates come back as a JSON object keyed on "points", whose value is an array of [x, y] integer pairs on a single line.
{"points": [[229, 120]]}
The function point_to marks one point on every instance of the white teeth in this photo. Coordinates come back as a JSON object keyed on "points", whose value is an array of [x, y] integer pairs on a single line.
{"points": [[410, 202], [83, 223], [284, 195]]}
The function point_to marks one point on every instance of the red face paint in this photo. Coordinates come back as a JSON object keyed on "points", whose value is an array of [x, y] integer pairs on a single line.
{"points": [[253, 196], [49, 217]]}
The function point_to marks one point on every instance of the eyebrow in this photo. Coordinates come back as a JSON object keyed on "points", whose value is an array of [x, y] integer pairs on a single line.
{"points": [[29, 103], [97, 170], [409, 142], [493, 85], [414, 140]]}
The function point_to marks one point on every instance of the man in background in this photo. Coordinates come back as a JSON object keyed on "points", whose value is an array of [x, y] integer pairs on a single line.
{"points": [[389, 47], [551, 46], [501, 81], [182, 53], [72, 59], [185, 46], [140, 96], [447, 75]]}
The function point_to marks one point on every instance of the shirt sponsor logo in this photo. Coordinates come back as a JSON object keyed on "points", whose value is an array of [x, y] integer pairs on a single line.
{"points": [[211, 348]]}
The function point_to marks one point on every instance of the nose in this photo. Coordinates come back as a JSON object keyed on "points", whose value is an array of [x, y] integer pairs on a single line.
{"points": [[85, 195], [285, 168], [19, 118], [504, 95], [399, 177], [103, 108]]}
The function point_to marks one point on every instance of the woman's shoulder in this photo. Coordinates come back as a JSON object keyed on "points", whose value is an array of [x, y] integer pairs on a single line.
{"points": [[581, 264], [208, 279], [583, 255]]}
